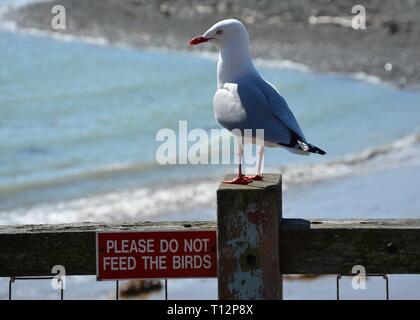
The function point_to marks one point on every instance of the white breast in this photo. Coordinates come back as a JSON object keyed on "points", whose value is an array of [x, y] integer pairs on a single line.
{"points": [[228, 108]]}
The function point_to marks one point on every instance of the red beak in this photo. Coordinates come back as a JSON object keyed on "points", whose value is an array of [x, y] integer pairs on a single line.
{"points": [[198, 40]]}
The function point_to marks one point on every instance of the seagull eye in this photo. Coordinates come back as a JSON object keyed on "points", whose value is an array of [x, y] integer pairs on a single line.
{"points": [[219, 31]]}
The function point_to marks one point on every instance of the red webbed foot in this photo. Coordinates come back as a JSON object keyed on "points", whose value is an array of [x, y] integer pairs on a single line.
{"points": [[257, 177], [241, 179]]}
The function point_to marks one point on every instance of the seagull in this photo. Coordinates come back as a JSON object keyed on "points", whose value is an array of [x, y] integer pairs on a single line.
{"points": [[245, 100]]}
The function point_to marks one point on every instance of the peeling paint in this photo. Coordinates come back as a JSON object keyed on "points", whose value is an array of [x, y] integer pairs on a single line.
{"points": [[247, 280], [245, 285]]}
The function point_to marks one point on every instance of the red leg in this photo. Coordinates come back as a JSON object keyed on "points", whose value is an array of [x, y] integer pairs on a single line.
{"points": [[258, 176]]}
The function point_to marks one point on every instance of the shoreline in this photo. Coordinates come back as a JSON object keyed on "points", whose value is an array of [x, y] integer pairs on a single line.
{"points": [[259, 62], [325, 48]]}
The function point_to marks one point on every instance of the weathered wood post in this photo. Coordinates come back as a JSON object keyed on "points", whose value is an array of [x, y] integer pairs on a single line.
{"points": [[248, 222]]}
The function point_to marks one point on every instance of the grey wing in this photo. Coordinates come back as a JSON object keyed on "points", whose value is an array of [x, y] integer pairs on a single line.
{"points": [[240, 106], [280, 108]]}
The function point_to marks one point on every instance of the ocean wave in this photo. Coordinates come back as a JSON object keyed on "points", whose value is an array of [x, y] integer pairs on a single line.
{"points": [[10, 25], [28, 182], [66, 37], [363, 76], [189, 195], [83, 175], [401, 152], [282, 64], [261, 62], [130, 205]]}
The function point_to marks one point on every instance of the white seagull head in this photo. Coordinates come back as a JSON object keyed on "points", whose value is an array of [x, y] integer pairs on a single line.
{"points": [[225, 33]]}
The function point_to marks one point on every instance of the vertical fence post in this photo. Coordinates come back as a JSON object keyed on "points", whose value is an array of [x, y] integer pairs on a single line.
{"points": [[248, 222]]}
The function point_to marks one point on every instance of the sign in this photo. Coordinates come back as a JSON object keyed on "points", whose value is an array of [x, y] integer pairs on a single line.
{"points": [[156, 254]]}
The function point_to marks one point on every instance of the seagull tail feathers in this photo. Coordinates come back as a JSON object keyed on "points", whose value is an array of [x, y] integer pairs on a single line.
{"points": [[315, 149], [301, 146]]}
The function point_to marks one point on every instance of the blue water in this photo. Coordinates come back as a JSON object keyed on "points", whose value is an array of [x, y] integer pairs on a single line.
{"points": [[78, 119]]}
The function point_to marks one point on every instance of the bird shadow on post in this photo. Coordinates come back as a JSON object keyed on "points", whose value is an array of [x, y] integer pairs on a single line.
{"points": [[248, 222]]}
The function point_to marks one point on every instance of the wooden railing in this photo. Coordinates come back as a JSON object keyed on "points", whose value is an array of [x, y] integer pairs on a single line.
{"points": [[256, 246]]}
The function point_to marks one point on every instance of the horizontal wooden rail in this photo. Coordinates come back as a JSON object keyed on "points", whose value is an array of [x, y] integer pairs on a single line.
{"points": [[306, 247], [335, 246]]}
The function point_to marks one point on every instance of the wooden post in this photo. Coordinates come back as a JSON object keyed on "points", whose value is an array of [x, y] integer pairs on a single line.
{"points": [[248, 222]]}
